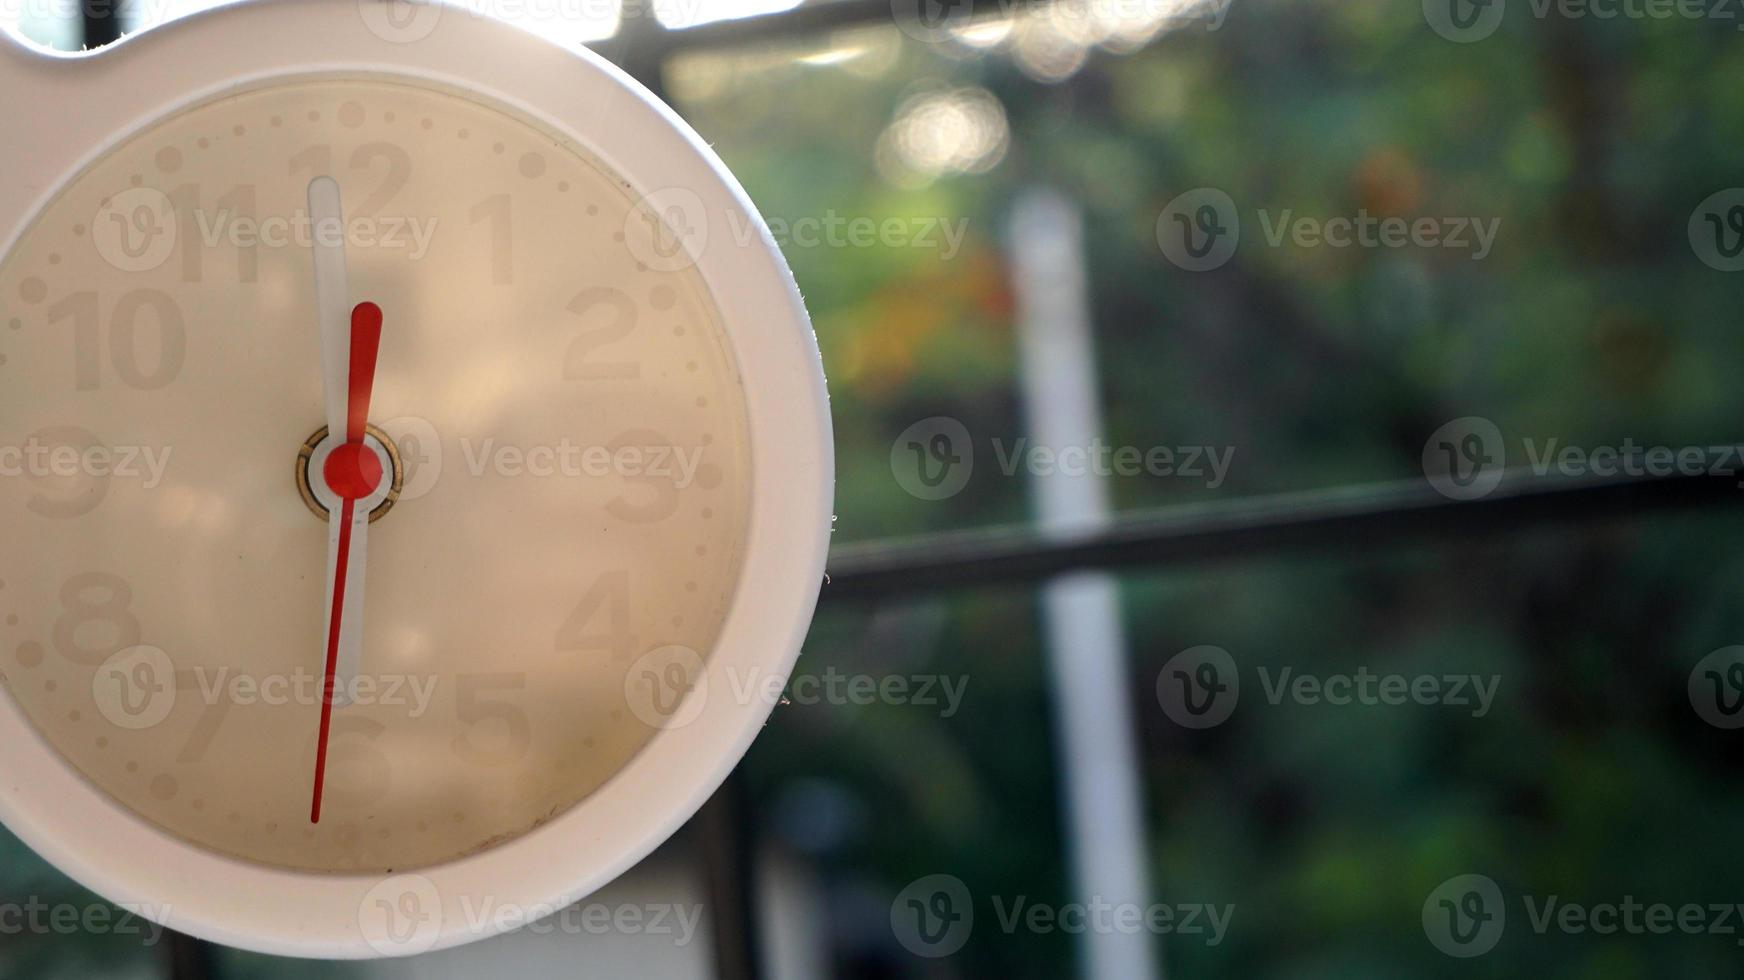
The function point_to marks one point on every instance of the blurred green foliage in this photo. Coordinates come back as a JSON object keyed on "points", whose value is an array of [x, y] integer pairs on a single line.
{"points": [[1590, 322]]}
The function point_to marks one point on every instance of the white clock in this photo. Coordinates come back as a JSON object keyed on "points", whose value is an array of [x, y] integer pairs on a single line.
{"points": [[551, 553]]}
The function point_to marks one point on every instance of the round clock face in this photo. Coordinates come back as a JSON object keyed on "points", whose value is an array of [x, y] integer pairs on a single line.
{"points": [[571, 454]]}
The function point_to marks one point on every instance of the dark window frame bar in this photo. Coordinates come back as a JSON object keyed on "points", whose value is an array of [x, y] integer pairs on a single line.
{"points": [[1381, 515]]}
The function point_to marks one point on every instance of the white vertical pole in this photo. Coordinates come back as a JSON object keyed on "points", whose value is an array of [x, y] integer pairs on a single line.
{"points": [[1086, 644]]}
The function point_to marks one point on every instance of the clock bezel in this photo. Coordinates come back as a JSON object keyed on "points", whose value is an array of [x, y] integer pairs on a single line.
{"points": [[77, 108]]}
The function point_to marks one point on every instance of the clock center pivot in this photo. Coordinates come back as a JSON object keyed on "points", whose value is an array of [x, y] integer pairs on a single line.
{"points": [[330, 470]]}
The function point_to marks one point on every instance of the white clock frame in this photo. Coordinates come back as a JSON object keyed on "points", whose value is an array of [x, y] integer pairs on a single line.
{"points": [[59, 113]]}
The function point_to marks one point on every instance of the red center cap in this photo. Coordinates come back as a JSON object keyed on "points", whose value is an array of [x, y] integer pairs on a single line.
{"points": [[353, 471]]}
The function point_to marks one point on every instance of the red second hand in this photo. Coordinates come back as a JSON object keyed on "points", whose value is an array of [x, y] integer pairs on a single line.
{"points": [[344, 559], [352, 472]]}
